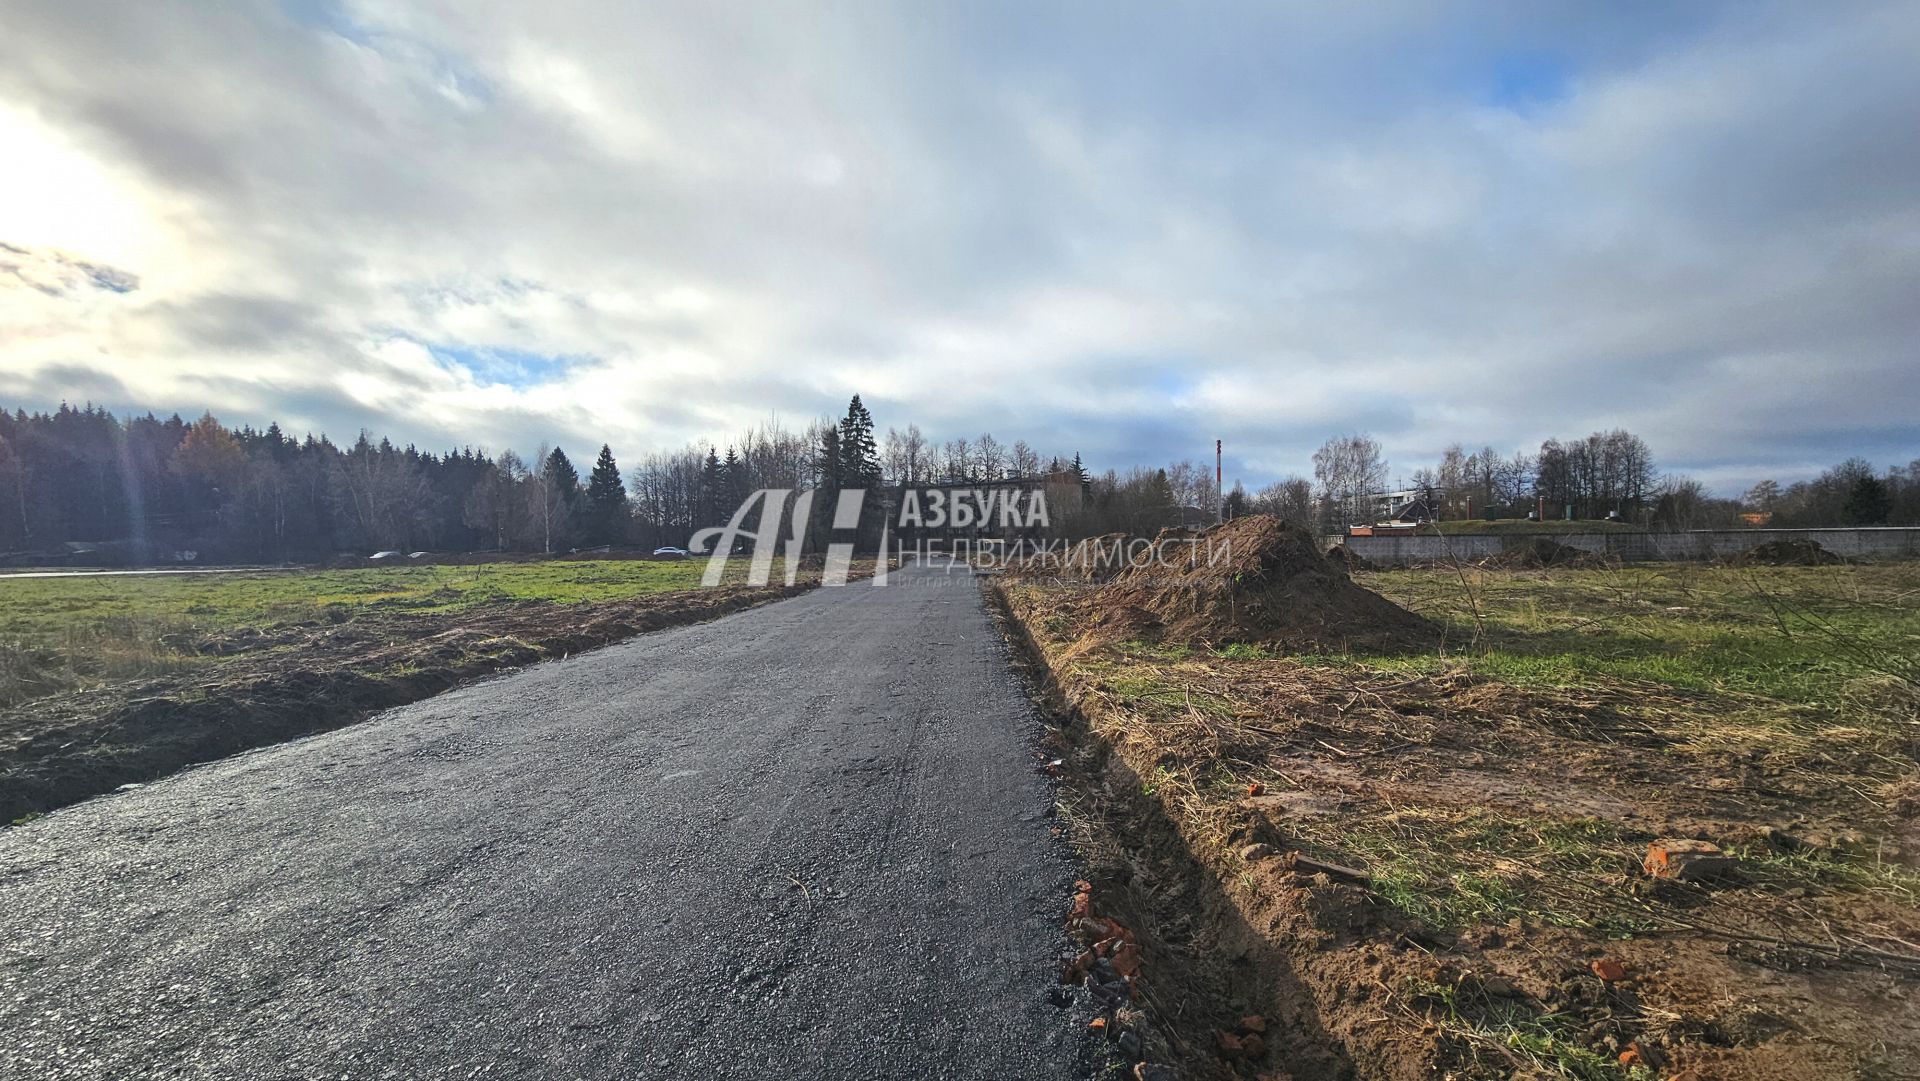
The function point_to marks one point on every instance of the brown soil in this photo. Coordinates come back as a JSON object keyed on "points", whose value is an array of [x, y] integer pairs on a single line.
{"points": [[1541, 552], [1255, 580], [1345, 558], [278, 683], [1804, 963], [1787, 553]]}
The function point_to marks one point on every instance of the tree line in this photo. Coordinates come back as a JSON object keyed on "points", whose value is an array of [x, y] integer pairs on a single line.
{"points": [[80, 480], [1605, 475], [145, 488]]}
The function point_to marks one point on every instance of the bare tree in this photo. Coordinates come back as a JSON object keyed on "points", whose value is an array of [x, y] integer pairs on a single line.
{"points": [[1350, 470], [1290, 500], [956, 462], [989, 456], [1025, 462]]}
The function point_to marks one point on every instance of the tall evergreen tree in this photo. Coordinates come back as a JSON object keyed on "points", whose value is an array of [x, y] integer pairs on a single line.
{"points": [[734, 479], [1868, 502], [606, 501], [711, 495], [564, 477], [859, 453], [831, 466]]}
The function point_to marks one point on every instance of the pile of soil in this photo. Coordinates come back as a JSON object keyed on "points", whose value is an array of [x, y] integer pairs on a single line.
{"points": [[1095, 560], [1787, 553], [1541, 552], [1347, 560], [1255, 580]]}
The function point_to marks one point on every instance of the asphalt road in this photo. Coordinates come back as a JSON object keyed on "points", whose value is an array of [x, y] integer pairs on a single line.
{"points": [[804, 841]]}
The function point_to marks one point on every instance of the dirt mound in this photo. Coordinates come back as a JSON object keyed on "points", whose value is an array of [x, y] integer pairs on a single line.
{"points": [[1094, 560], [1347, 560], [1254, 580], [1541, 552], [1787, 553]]}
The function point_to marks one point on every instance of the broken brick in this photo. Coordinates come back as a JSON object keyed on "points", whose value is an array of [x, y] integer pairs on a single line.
{"points": [[1230, 1045], [1686, 860], [1253, 1022]]}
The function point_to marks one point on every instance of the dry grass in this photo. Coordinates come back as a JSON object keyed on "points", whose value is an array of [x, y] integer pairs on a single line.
{"points": [[1519, 774]]}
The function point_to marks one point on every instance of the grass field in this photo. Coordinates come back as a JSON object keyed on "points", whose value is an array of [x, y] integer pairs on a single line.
{"points": [[61, 633], [118, 680], [1500, 789], [1822, 636]]}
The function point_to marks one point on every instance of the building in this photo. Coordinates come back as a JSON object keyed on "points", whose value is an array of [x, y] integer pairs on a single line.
{"points": [[1408, 504]]}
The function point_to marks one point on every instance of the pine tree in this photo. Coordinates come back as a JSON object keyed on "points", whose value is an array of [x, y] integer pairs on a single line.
{"points": [[859, 454], [710, 490], [606, 501], [831, 462], [1868, 502], [559, 496], [564, 477], [733, 478]]}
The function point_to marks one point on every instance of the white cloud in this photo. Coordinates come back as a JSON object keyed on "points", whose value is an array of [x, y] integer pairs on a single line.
{"points": [[1124, 237]]}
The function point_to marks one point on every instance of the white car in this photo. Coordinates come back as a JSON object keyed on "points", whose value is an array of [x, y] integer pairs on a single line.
{"points": [[670, 553]]}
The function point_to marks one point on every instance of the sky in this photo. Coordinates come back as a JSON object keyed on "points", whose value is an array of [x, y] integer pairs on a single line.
{"points": [[1119, 229]]}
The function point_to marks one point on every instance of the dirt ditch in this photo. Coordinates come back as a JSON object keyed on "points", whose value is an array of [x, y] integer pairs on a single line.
{"points": [[1439, 875], [277, 683]]}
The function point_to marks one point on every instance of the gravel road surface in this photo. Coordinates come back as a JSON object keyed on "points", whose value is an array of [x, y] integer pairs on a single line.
{"points": [[803, 841]]}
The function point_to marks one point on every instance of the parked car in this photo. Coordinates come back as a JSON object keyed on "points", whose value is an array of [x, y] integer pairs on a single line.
{"points": [[670, 553]]}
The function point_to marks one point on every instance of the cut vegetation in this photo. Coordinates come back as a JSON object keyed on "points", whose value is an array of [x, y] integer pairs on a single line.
{"points": [[118, 680], [1427, 853]]}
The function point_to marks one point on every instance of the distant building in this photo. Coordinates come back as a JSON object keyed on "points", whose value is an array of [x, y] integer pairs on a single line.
{"points": [[1408, 504]]}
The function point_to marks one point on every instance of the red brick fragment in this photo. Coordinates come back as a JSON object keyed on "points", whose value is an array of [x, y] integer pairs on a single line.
{"points": [[1686, 860]]}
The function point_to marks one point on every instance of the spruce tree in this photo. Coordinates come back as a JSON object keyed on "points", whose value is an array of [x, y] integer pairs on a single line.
{"points": [[733, 478], [859, 454], [832, 462], [606, 500], [564, 477]]}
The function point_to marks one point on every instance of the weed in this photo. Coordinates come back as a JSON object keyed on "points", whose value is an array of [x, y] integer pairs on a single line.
{"points": [[1510, 1031], [1245, 651]]}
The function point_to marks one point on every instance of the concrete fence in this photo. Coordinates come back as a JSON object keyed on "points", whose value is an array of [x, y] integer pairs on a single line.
{"points": [[1870, 543]]}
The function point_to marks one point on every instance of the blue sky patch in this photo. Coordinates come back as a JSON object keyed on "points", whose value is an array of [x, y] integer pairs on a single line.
{"points": [[497, 365], [1526, 80]]}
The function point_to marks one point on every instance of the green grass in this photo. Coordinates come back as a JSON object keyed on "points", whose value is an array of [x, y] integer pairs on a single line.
{"points": [[61, 632], [1452, 870], [1512, 1032], [1823, 636]]}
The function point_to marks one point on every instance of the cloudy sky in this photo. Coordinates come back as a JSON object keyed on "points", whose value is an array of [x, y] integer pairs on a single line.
{"points": [[1119, 229]]}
